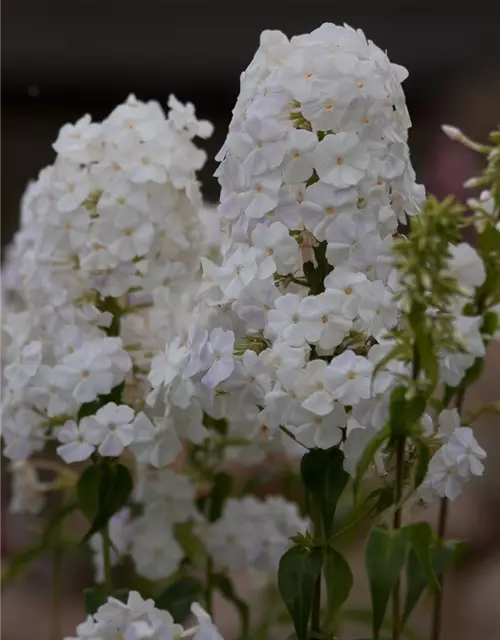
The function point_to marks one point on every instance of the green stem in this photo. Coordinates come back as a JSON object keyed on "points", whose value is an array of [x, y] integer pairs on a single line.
{"points": [[106, 555], [316, 608], [57, 566], [316, 601], [437, 612], [208, 587], [396, 524]]}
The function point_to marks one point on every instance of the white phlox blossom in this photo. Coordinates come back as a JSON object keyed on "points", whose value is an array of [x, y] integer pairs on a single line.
{"points": [[139, 619], [252, 533], [102, 272], [455, 462], [315, 177]]}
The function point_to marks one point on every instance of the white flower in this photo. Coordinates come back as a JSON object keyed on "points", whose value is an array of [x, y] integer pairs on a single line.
{"points": [[341, 160], [111, 428], [466, 266], [154, 442], [325, 324], [75, 447], [155, 552], [276, 250], [166, 366], [28, 360], [287, 320], [376, 307], [323, 431], [453, 464], [221, 353], [323, 203], [300, 163], [351, 377], [349, 237], [94, 369], [206, 630], [78, 141]]}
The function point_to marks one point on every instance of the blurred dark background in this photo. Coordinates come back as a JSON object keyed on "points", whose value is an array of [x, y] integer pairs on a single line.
{"points": [[62, 59]]}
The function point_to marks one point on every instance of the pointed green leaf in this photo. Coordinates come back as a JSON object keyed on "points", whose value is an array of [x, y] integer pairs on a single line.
{"points": [[441, 556], [384, 557], [94, 598], [421, 540], [324, 476], [404, 413], [339, 581], [178, 597], [223, 484], [102, 491], [422, 461], [298, 571]]}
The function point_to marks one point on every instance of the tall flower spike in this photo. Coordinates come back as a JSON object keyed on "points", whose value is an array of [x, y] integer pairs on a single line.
{"points": [[315, 177]]}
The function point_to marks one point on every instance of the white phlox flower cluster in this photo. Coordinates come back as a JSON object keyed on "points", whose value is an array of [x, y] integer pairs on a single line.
{"points": [[139, 619], [315, 177], [167, 498], [102, 272], [455, 462], [252, 533]]}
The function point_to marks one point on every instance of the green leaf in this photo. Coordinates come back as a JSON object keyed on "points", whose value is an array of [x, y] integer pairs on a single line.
{"points": [[121, 594], [368, 455], [298, 571], [102, 491], [94, 598], [87, 491], [384, 557], [423, 456], [404, 413], [441, 556], [473, 373], [489, 239], [324, 476], [221, 490], [219, 425], [225, 586], [490, 324], [339, 581], [178, 597], [421, 540]]}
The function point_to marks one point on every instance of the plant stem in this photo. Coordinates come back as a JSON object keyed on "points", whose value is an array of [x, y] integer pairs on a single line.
{"points": [[396, 524], [316, 607], [106, 556], [316, 601], [437, 612], [56, 630], [208, 587]]}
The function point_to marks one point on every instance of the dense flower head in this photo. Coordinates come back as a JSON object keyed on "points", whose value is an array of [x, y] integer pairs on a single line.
{"points": [[139, 619], [101, 273], [315, 177], [252, 533]]}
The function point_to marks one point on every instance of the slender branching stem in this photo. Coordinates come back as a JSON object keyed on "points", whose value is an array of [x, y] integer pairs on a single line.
{"points": [[396, 524]]}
